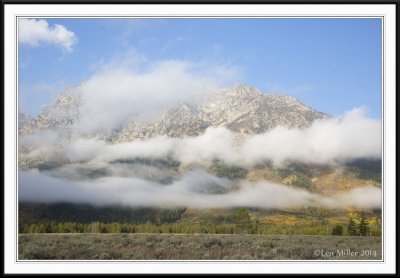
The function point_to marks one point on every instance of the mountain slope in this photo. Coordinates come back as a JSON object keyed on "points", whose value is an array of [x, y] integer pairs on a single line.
{"points": [[63, 113], [241, 109]]}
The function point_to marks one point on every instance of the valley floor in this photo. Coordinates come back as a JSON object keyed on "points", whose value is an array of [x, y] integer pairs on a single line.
{"points": [[197, 247]]}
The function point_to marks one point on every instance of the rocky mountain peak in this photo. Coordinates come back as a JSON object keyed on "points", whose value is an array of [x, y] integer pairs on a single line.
{"points": [[242, 90], [240, 108], [64, 111], [68, 99], [23, 119]]}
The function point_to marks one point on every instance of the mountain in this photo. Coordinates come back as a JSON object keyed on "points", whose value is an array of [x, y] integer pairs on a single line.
{"points": [[241, 109], [63, 113], [24, 119]]}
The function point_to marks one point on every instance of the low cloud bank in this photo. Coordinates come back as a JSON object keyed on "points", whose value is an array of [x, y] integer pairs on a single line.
{"points": [[326, 141], [196, 189]]}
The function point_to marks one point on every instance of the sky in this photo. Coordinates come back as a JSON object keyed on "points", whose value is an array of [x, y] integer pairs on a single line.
{"points": [[333, 65]]}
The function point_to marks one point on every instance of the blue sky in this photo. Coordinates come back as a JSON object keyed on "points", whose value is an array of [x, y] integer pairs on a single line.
{"points": [[333, 65]]}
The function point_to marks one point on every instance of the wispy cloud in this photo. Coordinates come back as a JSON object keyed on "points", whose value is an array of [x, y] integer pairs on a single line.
{"points": [[129, 85], [196, 189], [326, 141], [35, 32], [174, 43]]}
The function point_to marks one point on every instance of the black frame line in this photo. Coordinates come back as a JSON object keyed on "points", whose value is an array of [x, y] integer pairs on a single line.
{"points": [[191, 261]]}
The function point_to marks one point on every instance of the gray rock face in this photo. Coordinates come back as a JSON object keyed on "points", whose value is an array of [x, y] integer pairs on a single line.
{"points": [[241, 108], [65, 111], [24, 119]]}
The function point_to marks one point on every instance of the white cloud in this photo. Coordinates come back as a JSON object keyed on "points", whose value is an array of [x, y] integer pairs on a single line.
{"points": [[136, 87], [37, 31], [196, 189], [365, 197], [326, 141], [100, 180]]}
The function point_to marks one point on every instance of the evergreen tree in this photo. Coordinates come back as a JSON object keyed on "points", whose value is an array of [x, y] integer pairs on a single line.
{"points": [[352, 227], [337, 230], [364, 226], [242, 220]]}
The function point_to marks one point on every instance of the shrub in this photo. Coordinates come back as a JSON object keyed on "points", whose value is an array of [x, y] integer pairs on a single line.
{"points": [[337, 230]]}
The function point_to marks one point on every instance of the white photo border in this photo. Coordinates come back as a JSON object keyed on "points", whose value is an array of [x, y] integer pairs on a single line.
{"points": [[384, 11]]}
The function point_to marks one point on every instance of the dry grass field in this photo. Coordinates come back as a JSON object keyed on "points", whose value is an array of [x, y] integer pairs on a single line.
{"points": [[196, 247]]}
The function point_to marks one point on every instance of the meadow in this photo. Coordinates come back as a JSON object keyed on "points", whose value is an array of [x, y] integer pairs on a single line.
{"points": [[146, 246]]}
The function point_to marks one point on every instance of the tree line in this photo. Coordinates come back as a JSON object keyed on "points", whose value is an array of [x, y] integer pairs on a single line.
{"points": [[362, 228], [75, 218], [84, 213]]}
